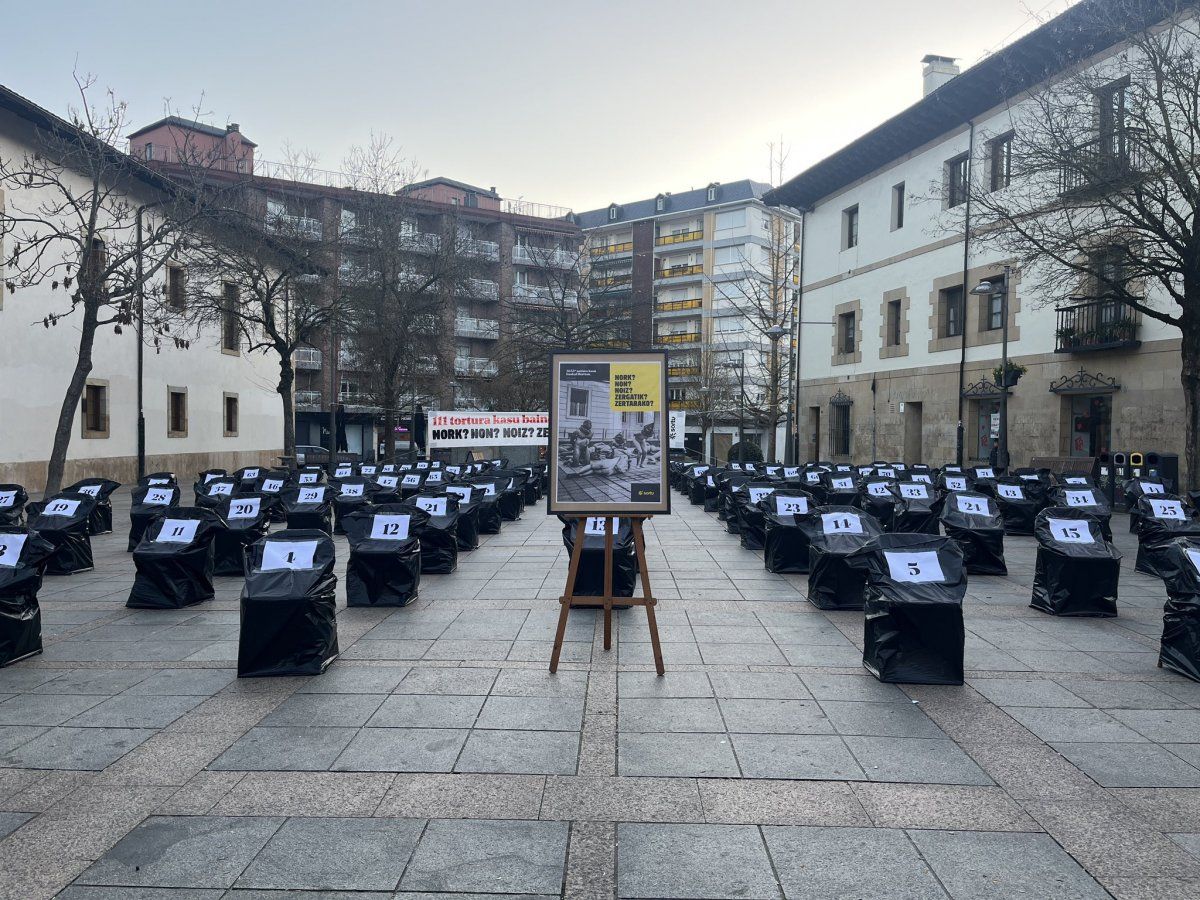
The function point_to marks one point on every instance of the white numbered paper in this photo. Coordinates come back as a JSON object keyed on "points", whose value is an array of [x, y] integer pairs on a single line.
{"points": [[10, 549], [750, 467], [1028, 477], [489, 489], [865, 470], [790, 506], [914, 491], [757, 494], [919, 476], [210, 476], [1075, 479], [273, 485], [595, 526], [772, 470], [177, 531], [791, 471], [1167, 509], [1194, 557], [411, 480], [311, 495], [985, 473], [389, 528], [433, 478], [158, 497], [700, 470], [975, 506], [497, 463], [711, 482], [154, 481], [61, 508], [899, 467], [1152, 487], [737, 466], [388, 481], [843, 469], [1010, 492], [878, 489], [7, 499], [343, 472], [407, 467], [93, 490], [886, 473], [842, 484], [841, 523], [812, 477], [389, 468], [463, 493], [956, 484], [914, 568], [352, 490], [245, 508], [454, 470], [221, 489], [1070, 531], [435, 506], [307, 478], [422, 465], [367, 470], [288, 555], [249, 474], [1080, 498], [953, 468]]}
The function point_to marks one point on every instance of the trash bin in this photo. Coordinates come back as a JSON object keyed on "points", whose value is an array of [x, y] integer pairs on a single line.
{"points": [[24, 556], [1086, 498], [877, 496], [1161, 519], [308, 506], [973, 520], [1018, 505], [913, 629], [438, 532], [468, 515], [589, 578], [148, 504], [751, 526], [385, 556], [12, 504], [785, 542], [350, 494], [63, 521], [245, 520], [174, 560], [288, 624], [1180, 647], [917, 508], [1077, 569], [101, 519], [835, 533]]}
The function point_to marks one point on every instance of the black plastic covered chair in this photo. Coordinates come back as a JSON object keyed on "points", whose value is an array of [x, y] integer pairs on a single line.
{"points": [[148, 504], [250, 477], [1018, 504], [13, 498], [289, 624], [271, 489], [438, 532], [468, 515], [100, 521], [350, 494], [913, 630], [918, 506], [973, 521], [785, 543], [1134, 490], [385, 556], [158, 479], [589, 578], [309, 506], [485, 491], [1087, 498], [308, 476], [835, 533], [212, 493], [24, 556], [1077, 570], [750, 521], [174, 560], [1161, 519], [245, 519], [63, 521], [877, 497], [838, 488], [1180, 647]]}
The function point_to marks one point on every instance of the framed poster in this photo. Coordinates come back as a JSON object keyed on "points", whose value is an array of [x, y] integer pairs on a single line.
{"points": [[608, 439]]}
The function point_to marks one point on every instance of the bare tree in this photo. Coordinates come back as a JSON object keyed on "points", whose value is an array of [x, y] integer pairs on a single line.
{"points": [[76, 219], [1096, 192], [718, 391]]}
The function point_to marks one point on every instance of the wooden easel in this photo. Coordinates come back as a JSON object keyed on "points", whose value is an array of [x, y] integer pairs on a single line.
{"points": [[569, 598]]}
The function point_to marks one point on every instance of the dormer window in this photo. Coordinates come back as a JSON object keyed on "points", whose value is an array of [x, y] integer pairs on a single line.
{"points": [[712, 191], [613, 211], [660, 203]]}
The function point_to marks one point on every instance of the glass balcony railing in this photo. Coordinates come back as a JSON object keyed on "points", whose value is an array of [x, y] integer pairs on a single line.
{"points": [[686, 337], [664, 240], [612, 249], [680, 271], [667, 306], [307, 358]]}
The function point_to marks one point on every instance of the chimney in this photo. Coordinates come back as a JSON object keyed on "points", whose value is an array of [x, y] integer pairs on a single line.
{"points": [[938, 70], [232, 127]]}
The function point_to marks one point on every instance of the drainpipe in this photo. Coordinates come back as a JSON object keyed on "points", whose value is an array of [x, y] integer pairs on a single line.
{"points": [[962, 358]]}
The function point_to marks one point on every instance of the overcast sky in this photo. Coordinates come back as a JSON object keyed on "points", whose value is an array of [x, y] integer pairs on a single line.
{"points": [[558, 101]]}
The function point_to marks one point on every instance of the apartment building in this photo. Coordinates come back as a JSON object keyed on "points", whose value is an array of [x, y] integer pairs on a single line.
{"points": [[510, 249], [676, 265], [891, 259]]}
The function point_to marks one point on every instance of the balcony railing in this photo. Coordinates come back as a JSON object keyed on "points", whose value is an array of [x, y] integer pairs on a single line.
{"points": [[300, 226], [421, 241], [306, 358], [478, 249], [665, 239], [1091, 324], [474, 365], [480, 289], [611, 281], [356, 400], [1105, 162], [466, 326], [537, 295], [308, 400], [667, 306], [686, 337], [612, 249], [610, 343], [683, 371], [549, 257], [685, 404], [679, 271]]}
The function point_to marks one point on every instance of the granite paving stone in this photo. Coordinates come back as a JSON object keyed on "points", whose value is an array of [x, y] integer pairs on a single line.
{"points": [[667, 860], [472, 855]]}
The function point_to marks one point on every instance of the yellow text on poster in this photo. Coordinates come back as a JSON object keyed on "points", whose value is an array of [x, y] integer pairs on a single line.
{"points": [[635, 387]]}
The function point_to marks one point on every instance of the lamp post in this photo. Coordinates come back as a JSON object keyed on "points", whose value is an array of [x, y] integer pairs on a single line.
{"points": [[988, 289], [775, 332], [742, 411], [705, 416]]}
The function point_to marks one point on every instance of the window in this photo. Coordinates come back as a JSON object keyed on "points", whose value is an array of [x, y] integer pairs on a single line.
{"points": [[711, 194], [472, 199], [578, 402], [893, 323], [993, 312], [951, 301], [678, 395], [660, 203], [850, 227], [231, 415], [839, 419], [898, 206], [846, 333], [229, 318], [956, 180], [728, 256], [176, 298], [177, 419], [1111, 100], [95, 409], [1001, 153], [612, 213], [149, 154], [729, 223], [1109, 270]]}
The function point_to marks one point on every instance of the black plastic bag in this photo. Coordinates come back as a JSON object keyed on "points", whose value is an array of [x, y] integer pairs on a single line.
{"points": [[973, 521], [728, 485], [955, 483], [918, 506], [244, 522], [785, 543], [24, 555], [101, 519], [1180, 647], [354, 492], [250, 477], [1077, 570], [750, 521], [158, 479], [1161, 519], [12, 504], [385, 556], [835, 533], [148, 504], [1135, 489], [589, 579], [438, 532], [271, 489], [174, 560], [510, 484], [1018, 505], [309, 506], [468, 515], [212, 493], [877, 496], [838, 488], [289, 621], [306, 476], [1084, 496], [63, 521], [484, 491], [913, 629]]}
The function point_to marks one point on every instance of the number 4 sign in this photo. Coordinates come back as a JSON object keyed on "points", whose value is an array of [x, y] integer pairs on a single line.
{"points": [[914, 568], [288, 555]]}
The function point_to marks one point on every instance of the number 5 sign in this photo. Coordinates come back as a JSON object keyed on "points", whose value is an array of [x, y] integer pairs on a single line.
{"points": [[914, 568]]}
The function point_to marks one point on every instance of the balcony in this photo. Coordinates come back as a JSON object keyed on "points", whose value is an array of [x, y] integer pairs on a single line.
{"points": [[665, 240], [420, 241], [1105, 163], [673, 306], [1089, 325], [479, 289], [685, 404], [308, 401], [426, 365], [680, 271], [547, 257], [475, 365], [306, 358], [538, 295], [356, 401], [683, 371], [615, 343], [478, 249], [685, 337], [297, 226], [622, 249], [620, 279], [467, 326]]}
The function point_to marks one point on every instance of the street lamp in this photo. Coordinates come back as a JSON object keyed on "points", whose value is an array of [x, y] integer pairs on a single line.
{"points": [[742, 410], [988, 289], [775, 332]]}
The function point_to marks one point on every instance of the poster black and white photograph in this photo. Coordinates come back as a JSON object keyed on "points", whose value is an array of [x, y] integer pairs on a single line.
{"points": [[608, 445]]}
